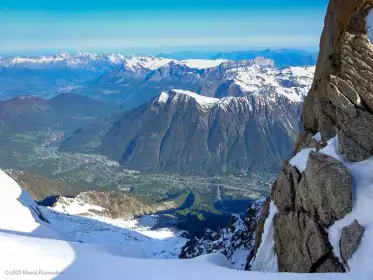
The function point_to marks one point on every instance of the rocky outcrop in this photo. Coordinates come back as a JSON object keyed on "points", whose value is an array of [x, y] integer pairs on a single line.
{"points": [[116, 205], [307, 204], [236, 242], [340, 103], [341, 98], [302, 245], [350, 239], [283, 190], [325, 191]]}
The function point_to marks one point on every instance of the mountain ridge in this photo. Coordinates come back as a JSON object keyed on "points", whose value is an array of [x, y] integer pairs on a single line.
{"points": [[148, 137]]}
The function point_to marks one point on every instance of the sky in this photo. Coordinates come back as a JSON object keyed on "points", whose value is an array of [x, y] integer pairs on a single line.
{"points": [[39, 26]]}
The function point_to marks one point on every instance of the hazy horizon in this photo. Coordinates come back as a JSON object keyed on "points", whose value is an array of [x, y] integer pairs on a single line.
{"points": [[154, 52], [40, 26]]}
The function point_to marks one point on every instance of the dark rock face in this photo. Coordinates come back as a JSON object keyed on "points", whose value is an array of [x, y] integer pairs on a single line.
{"points": [[307, 204], [326, 189], [239, 237], [302, 244], [350, 239], [283, 190], [180, 135]]}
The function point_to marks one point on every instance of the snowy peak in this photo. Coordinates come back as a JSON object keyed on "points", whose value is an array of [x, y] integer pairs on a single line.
{"points": [[201, 63], [293, 82], [146, 62], [176, 95]]}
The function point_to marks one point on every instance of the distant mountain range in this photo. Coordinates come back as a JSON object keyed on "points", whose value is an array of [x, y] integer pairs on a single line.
{"points": [[128, 80], [142, 78], [47, 76], [281, 57], [194, 116]]}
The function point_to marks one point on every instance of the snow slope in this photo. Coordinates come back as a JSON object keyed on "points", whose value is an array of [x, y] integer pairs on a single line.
{"points": [[20, 214], [266, 259], [69, 260], [292, 82], [28, 249], [116, 233]]}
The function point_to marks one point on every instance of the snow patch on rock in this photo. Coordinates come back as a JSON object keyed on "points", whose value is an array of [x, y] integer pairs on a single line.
{"points": [[362, 209], [75, 206], [266, 259], [163, 97], [202, 100], [300, 159]]}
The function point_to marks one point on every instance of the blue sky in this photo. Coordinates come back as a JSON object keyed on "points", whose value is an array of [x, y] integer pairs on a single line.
{"points": [[38, 26]]}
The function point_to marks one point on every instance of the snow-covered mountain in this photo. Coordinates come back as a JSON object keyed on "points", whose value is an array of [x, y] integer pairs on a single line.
{"points": [[132, 81], [71, 60], [142, 78], [183, 132], [47, 76]]}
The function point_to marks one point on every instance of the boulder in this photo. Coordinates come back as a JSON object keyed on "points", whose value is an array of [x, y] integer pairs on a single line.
{"points": [[350, 239], [325, 191], [302, 245], [283, 190]]}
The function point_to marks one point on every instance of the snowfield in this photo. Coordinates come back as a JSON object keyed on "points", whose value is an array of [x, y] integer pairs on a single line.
{"points": [[31, 247], [292, 82], [202, 63]]}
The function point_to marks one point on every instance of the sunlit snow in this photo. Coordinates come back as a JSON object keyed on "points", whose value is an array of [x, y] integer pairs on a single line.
{"points": [[40, 254], [202, 63]]}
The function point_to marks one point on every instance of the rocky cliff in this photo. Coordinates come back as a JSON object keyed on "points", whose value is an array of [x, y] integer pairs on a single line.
{"points": [[340, 100], [319, 187], [236, 242]]}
